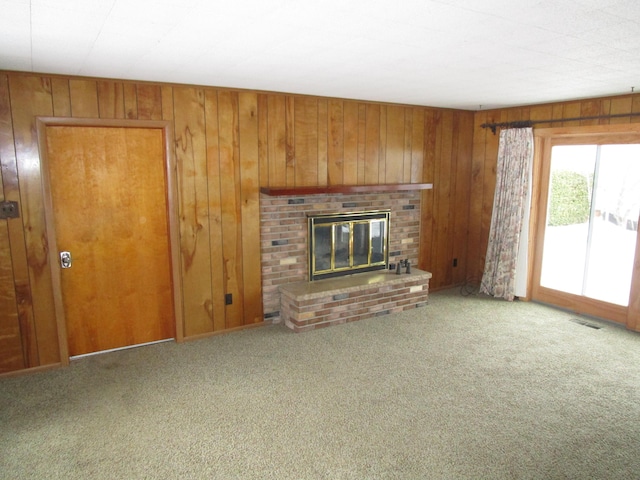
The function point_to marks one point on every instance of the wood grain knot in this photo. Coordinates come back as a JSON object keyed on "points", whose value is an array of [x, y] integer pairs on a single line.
{"points": [[208, 307]]}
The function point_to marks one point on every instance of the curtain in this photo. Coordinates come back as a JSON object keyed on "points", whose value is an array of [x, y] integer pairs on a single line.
{"points": [[515, 156]]}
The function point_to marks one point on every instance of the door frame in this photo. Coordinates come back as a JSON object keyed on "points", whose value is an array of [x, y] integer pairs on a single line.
{"points": [[171, 195], [544, 138]]}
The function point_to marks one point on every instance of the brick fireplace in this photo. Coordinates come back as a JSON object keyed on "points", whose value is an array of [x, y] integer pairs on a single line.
{"points": [[284, 240]]}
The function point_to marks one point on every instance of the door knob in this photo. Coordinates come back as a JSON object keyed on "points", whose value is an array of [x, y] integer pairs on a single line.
{"points": [[65, 259]]}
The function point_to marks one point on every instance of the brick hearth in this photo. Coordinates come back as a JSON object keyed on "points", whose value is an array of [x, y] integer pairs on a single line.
{"points": [[310, 305]]}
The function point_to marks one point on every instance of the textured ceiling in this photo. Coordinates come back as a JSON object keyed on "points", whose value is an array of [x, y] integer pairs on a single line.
{"points": [[446, 53]]}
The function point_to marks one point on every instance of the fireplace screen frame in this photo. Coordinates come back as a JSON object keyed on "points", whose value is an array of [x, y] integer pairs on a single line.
{"points": [[356, 221]]}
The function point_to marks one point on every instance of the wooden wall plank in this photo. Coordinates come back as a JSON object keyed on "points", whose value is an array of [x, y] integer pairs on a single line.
{"points": [[84, 98], [191, 156], [589, 108], [263, 138], [289, 118], [31, 97], [513, 114], [620, 106], [408, 139], [417, 145], [335, 153], [149, 101], [437, 188], [605, 109], [110, 99], [216, 306], [426, 260], [130, 93], [362, 142], [558, 113], [251, 293], [323, 142], [16, 233], [394, 165], [61, 97], [231, 207], [446, 185], [540, 112], [635, 106], [571, 110], [372, 148], [277, 138], [11, 354], [463, 172], [453, 207], [350, 163], [306, 141], [382, 157], [167, 103]]}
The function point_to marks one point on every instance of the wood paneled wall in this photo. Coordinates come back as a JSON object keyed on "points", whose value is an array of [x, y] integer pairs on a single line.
{"points": [[228, 143], [485, 152]]}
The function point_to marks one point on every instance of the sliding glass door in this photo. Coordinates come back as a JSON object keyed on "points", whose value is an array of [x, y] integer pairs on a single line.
{"points": [[592, 221], [588, 224]]}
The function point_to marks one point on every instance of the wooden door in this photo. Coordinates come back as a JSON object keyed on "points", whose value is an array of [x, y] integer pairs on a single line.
{"points": [[108, 194]]}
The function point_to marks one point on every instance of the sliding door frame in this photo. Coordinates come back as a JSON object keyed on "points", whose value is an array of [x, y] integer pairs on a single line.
{"points": [[545, 139]]}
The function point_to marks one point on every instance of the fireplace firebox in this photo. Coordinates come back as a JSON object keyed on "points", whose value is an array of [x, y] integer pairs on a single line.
{"points": [[347, 243]]}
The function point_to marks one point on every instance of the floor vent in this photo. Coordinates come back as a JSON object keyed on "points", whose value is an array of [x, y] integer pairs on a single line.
{"points": [[586, 324]]}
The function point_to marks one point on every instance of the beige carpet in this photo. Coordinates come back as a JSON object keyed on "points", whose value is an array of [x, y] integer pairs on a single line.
{"points": [[466, 387]]}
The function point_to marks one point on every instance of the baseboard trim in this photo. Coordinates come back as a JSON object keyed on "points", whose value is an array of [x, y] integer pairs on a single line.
{"points": [[28, 371], [223, 332]]}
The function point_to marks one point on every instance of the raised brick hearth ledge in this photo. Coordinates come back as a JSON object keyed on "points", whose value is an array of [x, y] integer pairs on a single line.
{"points": [[309, 305]]}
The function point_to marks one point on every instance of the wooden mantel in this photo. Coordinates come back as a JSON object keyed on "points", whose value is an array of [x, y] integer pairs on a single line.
{"points": [[396, 187]]}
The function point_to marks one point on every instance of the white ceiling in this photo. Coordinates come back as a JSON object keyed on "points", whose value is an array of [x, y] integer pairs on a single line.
{"points": [[445, 53]]}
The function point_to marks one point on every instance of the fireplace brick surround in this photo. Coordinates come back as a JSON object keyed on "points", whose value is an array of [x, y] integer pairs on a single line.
{"points": [[283, 230]]}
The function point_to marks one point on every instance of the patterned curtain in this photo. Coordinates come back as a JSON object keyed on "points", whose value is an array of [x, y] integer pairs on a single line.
{"points": [[515, 156]]}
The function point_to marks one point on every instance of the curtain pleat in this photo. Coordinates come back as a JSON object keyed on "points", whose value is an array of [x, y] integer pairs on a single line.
{"points": [[515, 156]]}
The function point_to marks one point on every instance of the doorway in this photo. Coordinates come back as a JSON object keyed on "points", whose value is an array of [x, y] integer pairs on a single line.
{"points": [[110, 223], [588, 223]]}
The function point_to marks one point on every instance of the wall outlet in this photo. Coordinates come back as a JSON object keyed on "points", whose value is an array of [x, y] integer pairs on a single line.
{"points": [[455, 262], [228, 299]]}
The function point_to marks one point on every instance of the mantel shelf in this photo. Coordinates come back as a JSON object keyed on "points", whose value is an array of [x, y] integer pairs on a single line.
{"points": [[297, 191]]}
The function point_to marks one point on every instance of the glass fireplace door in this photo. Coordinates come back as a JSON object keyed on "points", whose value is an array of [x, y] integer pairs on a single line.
{"points": [[341, 244]]}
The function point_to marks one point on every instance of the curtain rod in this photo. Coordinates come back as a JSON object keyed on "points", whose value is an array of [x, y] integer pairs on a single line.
{"points": [[531, 123]]}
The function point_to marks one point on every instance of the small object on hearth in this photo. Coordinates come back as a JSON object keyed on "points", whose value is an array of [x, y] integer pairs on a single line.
{"points": [[408, 265], [399, 264]]}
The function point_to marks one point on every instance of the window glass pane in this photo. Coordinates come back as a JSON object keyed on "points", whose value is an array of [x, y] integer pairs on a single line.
{"points": [[565, 239], [609, 263]]}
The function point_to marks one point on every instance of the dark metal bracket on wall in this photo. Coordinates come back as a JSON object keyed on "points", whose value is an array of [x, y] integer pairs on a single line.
{"points": [[531, 123], [9, 209]]}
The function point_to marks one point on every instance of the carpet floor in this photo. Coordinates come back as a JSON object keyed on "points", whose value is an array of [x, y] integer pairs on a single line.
{"points": [[466, 387]]}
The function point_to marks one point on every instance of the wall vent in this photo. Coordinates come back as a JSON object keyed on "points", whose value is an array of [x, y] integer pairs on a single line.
{"points": [[586, 324]]}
